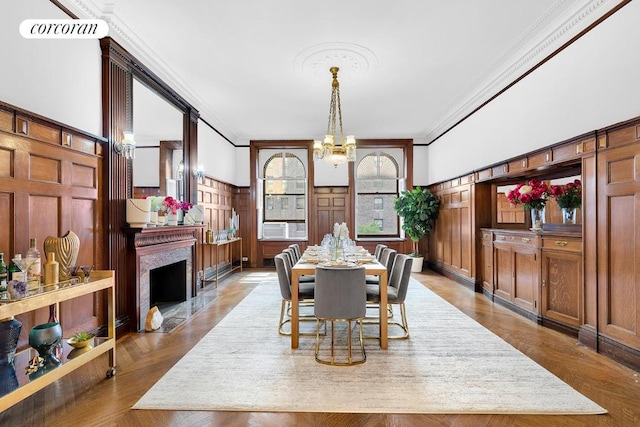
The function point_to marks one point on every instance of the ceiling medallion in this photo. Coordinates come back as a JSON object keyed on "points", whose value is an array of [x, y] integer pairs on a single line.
{"points": [[353, 60]]}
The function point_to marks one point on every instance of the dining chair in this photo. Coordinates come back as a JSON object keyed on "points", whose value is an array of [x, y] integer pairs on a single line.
{"points": [[378, 251], [386, 259], [296, 249], [293, 259], [397, 287], [340, 296], [292, 253], [305, 291]]}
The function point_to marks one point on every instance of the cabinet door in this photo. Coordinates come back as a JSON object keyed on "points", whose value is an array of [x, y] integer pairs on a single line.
{"points": [[487, 266], [525, 277], [502, 258], [561, 287]]}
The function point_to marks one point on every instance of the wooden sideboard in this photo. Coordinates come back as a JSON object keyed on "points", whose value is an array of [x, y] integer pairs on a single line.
{"points": [[537, 274]]}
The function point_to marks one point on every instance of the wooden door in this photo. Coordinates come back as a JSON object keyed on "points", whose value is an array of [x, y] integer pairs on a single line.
{"points": [[487, 262], [561, 286], [503, 267], [525, 277]]}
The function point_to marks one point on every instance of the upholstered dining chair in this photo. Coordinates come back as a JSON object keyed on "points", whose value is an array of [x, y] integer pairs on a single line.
{"points": [[340, 296], [378, 251], [292, 253], [305, 291], [296, 248], [386, 259], [293, 258], [397, 287]]}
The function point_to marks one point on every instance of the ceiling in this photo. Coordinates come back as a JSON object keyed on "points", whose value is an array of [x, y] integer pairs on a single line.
{"points": [[259, 69]]}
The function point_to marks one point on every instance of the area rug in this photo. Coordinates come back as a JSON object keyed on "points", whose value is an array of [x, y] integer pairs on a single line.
{"points": [[450, 364]]}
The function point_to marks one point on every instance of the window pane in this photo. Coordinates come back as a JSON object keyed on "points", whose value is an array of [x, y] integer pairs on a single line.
{"points": [[285, 189], [372, 220], [377, 177]]}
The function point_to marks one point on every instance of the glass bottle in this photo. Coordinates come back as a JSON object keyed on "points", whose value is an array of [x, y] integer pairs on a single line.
{"points": [[209, 238], [15, 272], [35, 268], [3, 276]]}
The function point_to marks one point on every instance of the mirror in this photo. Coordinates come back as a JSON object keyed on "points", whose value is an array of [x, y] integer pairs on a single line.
{"points": [[507, 214], [158, 167]]}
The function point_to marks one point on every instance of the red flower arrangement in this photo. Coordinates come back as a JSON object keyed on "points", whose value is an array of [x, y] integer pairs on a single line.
{"points": [[568, 196], [171, 204], [185, 206], [532, 194]]}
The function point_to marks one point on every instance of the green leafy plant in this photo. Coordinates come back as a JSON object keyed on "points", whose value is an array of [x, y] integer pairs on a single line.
{"points": [[82, 336], [419, 209]]}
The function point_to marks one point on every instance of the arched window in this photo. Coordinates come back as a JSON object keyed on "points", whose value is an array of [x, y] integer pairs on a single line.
{"points": [[285, 198], [377, 176]]}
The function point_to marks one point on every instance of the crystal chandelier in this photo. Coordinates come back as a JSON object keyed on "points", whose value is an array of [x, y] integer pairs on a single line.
{"points": [[327, 150]]}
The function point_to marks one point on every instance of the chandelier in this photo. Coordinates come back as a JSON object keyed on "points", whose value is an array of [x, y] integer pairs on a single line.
{"points": [[327, 149]]}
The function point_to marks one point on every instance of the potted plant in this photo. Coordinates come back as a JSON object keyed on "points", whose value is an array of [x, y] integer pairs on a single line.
{"points": [[418, 209]]}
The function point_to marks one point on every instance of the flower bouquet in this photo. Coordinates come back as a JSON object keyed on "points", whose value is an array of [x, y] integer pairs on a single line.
{"points": [[569, 198], [533, 196]]}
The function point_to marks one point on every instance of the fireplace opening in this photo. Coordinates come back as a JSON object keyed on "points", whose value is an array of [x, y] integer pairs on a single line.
{"points": [[168, 284]]}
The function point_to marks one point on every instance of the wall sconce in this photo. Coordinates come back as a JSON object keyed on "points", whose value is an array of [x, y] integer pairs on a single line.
{"points": [[126, 148], [180, 171], [199, 173]]}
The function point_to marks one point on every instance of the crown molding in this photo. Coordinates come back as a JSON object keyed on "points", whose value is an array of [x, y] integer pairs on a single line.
{"points": [[555, 27], [122, 32]]}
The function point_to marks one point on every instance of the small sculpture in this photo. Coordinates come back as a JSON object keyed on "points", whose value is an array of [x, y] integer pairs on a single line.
{"points": [[66, 250], [154, 319]]}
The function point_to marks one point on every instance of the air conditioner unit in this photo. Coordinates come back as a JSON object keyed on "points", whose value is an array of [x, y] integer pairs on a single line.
{"points": [[274, 230]]}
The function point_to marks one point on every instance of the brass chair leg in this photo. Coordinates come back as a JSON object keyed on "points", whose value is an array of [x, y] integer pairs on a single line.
{"points": [[332, 361]]}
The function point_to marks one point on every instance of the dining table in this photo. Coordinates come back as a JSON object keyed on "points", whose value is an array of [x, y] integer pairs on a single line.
{"points": [[306, 267]]}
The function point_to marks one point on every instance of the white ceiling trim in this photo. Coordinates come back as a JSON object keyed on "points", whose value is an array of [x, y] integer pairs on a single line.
{"points": [[520, 57], [122, 32]]}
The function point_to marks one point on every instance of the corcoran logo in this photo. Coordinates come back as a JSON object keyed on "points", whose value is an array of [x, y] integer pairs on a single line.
{"points": [[64, 28]]}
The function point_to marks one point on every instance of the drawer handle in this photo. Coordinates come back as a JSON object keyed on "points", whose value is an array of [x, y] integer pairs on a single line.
{"points": [[526, 239], [561, 243]]}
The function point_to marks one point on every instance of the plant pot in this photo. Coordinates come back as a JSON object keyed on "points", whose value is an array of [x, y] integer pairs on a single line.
{"points": [[416, 266]]}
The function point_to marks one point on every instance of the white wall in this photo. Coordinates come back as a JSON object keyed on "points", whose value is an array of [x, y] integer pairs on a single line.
{"points": [[30, 66], [217, 155], [591, 84]]}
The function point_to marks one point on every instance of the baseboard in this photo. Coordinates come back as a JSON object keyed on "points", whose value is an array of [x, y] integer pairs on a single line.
{"points": [[468, 282], [560, 327], [622, 354]]}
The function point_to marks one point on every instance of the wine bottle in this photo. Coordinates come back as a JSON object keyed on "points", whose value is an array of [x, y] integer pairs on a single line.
{"points": [[3, 275], [15, 272], [35, 268]]}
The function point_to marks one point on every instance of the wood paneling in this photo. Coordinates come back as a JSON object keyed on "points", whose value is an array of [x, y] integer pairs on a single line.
{"points": [[618, 227], [218, 199], [38, 201]]}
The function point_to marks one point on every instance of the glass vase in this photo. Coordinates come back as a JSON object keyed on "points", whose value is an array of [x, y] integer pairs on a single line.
{"points": [[537, 219], [569, 215]]}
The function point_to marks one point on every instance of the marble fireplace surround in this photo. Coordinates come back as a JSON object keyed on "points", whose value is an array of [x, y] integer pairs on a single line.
{"points": [[159, 247]]}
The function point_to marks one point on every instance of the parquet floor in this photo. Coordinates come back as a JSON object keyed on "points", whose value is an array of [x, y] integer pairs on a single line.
{"points": [[86, 398]]}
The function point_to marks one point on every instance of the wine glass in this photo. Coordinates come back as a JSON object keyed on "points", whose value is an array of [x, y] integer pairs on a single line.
{"points": [[23, 264], [86, 269]]}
